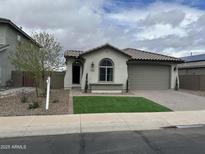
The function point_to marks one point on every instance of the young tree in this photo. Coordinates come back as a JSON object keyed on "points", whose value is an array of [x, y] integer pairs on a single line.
{"points": [[50, 54], [38, 61], [26, 58]]}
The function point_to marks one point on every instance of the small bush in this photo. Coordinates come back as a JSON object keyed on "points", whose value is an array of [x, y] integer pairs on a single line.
{"points": [[86, 83], [42, 94], [33, 105], [30, 106], [55, 101], [176, 84], [24, 97], [127, 86]]}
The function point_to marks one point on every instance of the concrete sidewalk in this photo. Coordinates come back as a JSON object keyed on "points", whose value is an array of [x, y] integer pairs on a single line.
{"points": [[81, 123]]}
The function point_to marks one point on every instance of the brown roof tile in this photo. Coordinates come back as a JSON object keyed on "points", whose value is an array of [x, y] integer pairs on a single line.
{"points": [[144, 55], [72, 53], [104, 46], [134, 54]]}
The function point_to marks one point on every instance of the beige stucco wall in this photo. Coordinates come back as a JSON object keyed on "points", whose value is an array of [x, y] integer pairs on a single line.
{"points": [[120, 74]]}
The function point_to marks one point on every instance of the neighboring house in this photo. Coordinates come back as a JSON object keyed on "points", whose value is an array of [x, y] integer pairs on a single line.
{"points": [[192, 72], [10, 36], [109, 69]]}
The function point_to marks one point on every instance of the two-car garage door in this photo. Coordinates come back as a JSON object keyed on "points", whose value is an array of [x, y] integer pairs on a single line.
{"points": [[148, 77]]}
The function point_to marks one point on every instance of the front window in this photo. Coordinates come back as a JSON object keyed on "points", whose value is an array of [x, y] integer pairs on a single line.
{"points": [[106, 70]]}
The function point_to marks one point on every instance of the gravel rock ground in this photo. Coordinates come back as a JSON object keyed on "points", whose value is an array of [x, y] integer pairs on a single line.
{"points": [[15, 91], [12, 105]]}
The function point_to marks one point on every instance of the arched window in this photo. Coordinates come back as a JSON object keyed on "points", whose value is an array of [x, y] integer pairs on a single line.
{"points": [[106, 67]]}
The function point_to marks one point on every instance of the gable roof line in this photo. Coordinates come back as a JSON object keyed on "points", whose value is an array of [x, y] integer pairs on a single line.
{"points": [[153, 53], [104, 45], [9, 22], [133, 54]]}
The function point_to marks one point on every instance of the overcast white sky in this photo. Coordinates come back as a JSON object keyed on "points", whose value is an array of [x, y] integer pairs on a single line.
{"points": [[171, 28]]}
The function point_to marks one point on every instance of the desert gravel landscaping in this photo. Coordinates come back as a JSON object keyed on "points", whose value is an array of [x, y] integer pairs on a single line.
{"points": [[12, 105]]}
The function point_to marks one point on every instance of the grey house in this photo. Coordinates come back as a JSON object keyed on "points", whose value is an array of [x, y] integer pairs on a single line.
{"points": [[109, 69], [192, 72], [10, 36]]}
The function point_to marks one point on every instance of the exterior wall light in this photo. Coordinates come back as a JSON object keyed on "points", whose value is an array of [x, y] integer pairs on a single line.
{"points": [[92, 66]]}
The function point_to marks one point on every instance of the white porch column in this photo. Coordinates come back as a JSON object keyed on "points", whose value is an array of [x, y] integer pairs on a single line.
{"points": [[174, 76], [68, 75]]}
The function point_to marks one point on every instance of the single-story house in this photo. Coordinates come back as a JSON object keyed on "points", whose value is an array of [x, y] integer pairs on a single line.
{"points": [[109, 69], [192, 72]]}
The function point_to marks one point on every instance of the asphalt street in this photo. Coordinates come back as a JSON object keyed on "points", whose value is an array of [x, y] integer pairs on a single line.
{"points": [[166, 141]]}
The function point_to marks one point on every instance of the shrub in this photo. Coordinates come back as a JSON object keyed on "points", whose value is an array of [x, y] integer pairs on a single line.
{"points": [[86, 83], [55, 101], [176, 84], [42, 94], [33, 105], [24, 97], [127, 86]]}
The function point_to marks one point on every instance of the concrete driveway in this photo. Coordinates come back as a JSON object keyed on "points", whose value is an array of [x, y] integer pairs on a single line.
{"points": [[175, 100]]}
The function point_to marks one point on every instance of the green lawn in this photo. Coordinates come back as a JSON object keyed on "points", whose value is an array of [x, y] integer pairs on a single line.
{"points": [[107, 104]]}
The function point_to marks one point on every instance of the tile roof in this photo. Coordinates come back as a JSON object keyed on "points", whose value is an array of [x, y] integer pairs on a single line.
{"points": [[76, 53], [144, 55], [194, 58], [72, 53], [103, 46], [134, 54]]}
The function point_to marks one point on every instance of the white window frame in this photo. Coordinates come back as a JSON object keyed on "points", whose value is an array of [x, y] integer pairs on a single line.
{"points": [[106, 69]]}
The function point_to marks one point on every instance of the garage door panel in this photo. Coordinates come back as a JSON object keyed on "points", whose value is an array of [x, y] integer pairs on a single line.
{"points": [[148, 77]]}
